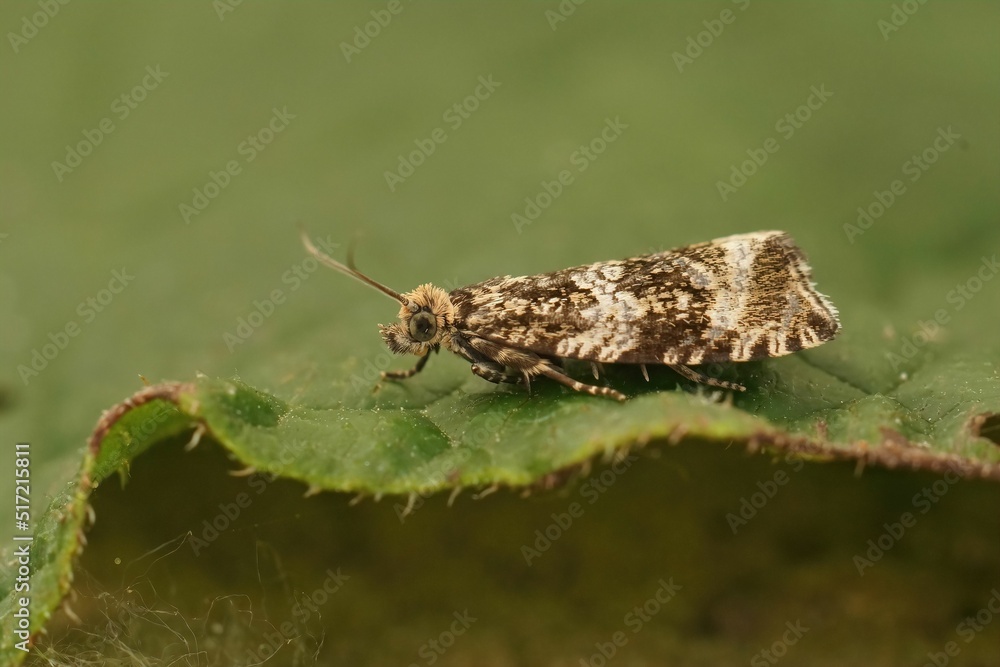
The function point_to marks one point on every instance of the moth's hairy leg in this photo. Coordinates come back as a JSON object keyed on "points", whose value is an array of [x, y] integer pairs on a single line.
{"points": [[487, 373], [513, 360], [482, 355], [695, 376], [554, 374], [494, 373], [515, 376], [529, 363], [402, 375], [645, 373]]}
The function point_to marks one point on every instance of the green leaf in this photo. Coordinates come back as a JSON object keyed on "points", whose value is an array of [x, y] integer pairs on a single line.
{"points": [[392, 441]]}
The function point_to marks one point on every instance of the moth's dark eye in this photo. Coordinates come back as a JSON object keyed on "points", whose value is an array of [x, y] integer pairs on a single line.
{"points": [[423, 326]]}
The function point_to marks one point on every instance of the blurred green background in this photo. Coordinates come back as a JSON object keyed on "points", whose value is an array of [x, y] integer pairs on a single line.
{"points": [[347, 122]]}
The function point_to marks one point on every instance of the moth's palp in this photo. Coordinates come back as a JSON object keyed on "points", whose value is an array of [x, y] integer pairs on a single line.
{"points": [[348, 270]]}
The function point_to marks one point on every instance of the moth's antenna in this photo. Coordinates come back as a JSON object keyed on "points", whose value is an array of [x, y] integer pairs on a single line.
{"points": [[347, 270], [351, 247]]}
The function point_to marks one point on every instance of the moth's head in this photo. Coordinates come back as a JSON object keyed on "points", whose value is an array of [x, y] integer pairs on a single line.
{"points": [[424, 317], [425, 314]]}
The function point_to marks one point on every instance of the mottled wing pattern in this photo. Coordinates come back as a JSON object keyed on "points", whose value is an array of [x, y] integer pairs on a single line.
{"points": [[737, 298]]}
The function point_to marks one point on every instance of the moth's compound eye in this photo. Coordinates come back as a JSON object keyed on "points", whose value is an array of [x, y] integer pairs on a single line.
{"points": [[423, 326]]}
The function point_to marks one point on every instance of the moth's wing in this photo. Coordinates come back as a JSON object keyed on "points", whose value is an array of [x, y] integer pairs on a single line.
{"points": [[737, 298]]}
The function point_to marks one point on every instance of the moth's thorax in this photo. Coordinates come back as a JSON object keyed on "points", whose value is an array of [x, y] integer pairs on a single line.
{"points": [[429, 303]]}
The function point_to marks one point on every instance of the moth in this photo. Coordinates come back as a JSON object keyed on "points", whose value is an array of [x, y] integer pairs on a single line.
{"points": [[738, 298]]}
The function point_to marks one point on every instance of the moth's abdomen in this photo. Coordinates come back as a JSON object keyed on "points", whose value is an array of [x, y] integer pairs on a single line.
{"points": [[733, 299]]}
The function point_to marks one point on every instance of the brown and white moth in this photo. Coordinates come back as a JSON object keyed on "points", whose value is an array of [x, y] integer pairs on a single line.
{"points": [[737, 298]]}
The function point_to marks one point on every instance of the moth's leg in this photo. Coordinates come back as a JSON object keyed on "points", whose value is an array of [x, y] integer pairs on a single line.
{"points": [[529, 363], [645, 373], [695, 376], [493, 373], [488, 373], [516, 365], [554, 374], [402, 375], [597, 369], [482, 365]]}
